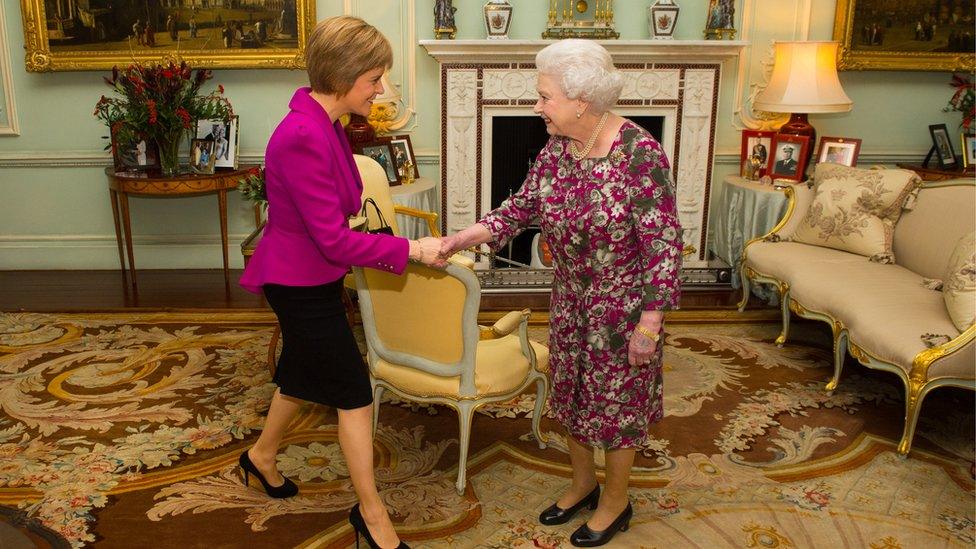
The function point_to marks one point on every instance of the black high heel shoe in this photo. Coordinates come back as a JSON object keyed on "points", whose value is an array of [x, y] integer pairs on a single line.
{"points": [[584, 536], [359, 525], [286, 490], [555, 514]]}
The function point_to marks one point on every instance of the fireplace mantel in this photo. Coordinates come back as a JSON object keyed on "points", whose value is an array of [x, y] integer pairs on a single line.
{"points": [[623, 51], [676, 80]]}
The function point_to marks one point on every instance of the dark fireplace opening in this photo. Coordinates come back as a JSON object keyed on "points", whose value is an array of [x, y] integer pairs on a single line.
{"points": [[515, 142]]}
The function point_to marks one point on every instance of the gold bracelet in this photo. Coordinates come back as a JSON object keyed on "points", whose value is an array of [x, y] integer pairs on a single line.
{"points": [[647, 333]]}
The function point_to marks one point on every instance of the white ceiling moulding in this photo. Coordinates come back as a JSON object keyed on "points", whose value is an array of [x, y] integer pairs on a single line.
{"points": [[763, 22], [404, 71], [8, 108]]}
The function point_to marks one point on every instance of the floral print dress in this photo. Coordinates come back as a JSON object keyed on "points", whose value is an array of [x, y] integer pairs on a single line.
{"points": [[612, 226]]}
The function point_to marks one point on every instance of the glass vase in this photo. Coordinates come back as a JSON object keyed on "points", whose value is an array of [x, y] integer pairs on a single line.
{"points": [[169, 153]]}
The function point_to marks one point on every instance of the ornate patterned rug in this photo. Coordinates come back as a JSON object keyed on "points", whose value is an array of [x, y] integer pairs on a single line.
{"points": [[123, 430]]}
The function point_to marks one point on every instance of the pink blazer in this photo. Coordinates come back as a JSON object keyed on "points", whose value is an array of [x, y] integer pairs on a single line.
{"points": [[313, 187]]}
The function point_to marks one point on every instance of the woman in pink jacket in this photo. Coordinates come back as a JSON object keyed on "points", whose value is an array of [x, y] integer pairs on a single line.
{"points": [[313, 187]]}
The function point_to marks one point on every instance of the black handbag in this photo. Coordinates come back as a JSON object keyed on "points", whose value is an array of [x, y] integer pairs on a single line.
{"points": [[384, 227]]}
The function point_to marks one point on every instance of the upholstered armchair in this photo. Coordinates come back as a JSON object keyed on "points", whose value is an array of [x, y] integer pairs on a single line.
{"points": [[425, 345]]}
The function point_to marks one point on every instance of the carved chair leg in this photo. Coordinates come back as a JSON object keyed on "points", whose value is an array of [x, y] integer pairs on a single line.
{"points": [[914, 394], [744, 279], [784, 302], [377, 395], [465, 417], [840, 354], [541, 393]]}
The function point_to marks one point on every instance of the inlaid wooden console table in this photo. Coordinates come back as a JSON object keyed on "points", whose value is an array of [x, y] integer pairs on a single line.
{"points": [[122, 185]]}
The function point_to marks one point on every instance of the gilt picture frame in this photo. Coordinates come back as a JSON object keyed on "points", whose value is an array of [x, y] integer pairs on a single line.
{"points": [[872, 38], [108, 33]]}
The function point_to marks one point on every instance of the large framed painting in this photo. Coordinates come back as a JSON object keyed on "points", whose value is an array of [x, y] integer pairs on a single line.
{"points": [[923, 35], [64, 35]]}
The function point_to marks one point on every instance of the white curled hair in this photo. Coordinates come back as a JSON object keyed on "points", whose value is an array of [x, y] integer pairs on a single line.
{"points": [[584, 70]]}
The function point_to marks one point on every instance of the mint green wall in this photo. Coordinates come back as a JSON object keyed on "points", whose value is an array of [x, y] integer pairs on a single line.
{"points": [[54, 207]]}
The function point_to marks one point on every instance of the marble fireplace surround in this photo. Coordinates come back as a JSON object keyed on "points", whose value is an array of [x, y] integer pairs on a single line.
{"points": [[678, 80]]}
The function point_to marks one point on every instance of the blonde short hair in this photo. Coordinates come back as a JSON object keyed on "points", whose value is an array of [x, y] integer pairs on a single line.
{"points": [[340, 50], [584, 70]]}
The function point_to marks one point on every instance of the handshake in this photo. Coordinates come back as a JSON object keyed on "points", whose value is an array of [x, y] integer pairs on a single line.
{"points": [[434, 251]]}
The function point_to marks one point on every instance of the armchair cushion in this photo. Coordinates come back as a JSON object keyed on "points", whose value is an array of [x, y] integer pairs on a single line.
{"points": [[500, 368], [959, 290], [855, 210]]}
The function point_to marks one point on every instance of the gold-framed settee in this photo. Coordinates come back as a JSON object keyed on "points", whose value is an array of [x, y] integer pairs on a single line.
{"points": [[882, 314]]}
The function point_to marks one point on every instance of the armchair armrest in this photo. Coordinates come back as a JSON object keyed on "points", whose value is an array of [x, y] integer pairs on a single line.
{"points": [[430, 217]]}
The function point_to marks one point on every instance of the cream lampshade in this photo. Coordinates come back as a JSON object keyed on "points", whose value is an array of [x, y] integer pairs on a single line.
{"points": [[804, 80]]}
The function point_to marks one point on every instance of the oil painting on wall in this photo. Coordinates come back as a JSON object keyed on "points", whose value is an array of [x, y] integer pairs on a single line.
{"points": [[97, 34], [905, 34]]}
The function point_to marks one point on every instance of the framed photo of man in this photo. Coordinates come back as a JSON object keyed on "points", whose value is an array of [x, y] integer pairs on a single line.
{"points": [[789, 159], [382, 153], [100, 34], [756, 143], [403, 153], [225, 138], [942, 147], [839, 150], [202, 156]]}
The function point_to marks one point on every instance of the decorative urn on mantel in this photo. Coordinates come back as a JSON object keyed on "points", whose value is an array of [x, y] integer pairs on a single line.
{"points": [[662, 16], [498, 19]]}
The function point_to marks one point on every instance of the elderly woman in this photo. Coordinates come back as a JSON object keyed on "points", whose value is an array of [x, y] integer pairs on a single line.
{"points": [[313, 186], [602, 192]]}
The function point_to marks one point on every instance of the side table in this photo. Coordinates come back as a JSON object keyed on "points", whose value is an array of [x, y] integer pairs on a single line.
{"points": [[744, 210], [121, 185], [937, 174], [419, 195]]}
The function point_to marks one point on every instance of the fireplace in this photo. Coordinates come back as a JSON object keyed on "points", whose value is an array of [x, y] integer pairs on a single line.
{"points": [[673, 87]]}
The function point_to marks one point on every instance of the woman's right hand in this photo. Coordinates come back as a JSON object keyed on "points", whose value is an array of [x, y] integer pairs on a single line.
{"points": [[427, 250]]}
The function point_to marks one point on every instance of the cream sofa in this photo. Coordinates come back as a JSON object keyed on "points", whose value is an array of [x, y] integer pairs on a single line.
{"points": [[878, 312]]}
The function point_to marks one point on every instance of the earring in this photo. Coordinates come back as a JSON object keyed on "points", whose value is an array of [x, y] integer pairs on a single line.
{"points": [[578, 114]]}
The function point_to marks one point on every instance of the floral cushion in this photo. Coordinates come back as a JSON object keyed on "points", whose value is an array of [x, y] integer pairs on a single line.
{"points": [[959, 289], [855, 209]]}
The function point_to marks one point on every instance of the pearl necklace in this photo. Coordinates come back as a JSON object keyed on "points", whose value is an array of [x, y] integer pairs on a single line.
{"points": [[580, 155]]}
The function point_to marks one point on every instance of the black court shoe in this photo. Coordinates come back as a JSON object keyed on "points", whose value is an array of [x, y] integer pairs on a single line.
{"points": [[557, 515], [584, 536], [359, 525], [286, 490]]}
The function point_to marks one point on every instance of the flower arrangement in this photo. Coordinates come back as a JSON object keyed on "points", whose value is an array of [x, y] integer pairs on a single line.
{"points": [[251, 187], [963, 100], [160, 102]]}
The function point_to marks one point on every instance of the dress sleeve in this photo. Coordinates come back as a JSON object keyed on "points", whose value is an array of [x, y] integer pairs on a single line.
{"points": [[313, 186], [655, 213], [522, 208]]}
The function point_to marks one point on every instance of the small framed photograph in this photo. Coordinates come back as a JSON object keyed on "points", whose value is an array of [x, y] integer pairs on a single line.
{"points": [[402, 152], [225, 138], [202, 156], [134, 155], [790, 154], [943, 147], [839, 150], [756, 143], [968, 149], [719, 22], [382, 152]]}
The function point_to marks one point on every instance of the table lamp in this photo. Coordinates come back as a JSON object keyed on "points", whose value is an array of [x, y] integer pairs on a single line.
{"points": [[385, 111], [804, 80]]}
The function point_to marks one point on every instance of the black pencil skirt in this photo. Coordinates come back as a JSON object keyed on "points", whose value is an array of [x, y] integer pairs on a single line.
{"points": [[320, 361]]}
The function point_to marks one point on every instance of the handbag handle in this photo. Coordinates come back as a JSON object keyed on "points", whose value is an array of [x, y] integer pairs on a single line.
{"points": [[379, 215]]}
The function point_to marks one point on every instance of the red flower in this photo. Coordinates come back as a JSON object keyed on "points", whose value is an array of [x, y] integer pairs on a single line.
{"points": [[153, 113]]}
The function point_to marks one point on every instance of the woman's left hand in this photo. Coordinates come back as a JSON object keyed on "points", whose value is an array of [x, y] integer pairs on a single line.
{"points": [[642, 347]]}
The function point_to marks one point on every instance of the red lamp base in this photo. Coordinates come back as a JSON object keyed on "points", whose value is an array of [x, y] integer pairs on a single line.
{"points": [[359, 131]]}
